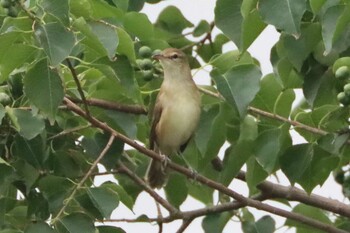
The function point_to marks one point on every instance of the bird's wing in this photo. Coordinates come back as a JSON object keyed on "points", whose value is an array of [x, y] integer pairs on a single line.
{"points": [[157, 112]]}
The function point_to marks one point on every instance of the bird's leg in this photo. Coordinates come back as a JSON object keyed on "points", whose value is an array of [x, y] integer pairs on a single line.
{"points": [[164, 161]]}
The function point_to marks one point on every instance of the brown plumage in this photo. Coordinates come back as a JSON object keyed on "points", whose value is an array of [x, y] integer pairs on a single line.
{"points": [[176, 112]]}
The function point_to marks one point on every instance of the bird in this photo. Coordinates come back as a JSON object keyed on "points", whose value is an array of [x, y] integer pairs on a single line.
{"points": [[176, 113]]}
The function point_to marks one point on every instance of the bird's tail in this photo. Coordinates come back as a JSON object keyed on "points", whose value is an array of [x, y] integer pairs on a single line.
{"points": [[156, 174]]}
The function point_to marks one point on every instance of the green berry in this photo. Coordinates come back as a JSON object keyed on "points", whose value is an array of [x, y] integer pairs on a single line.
{"points": [[4, 99], [5, 3], [157, 51], [145, 52], [147, 75], [342, 73], [347, 89], [343, 99], [146, 64]]}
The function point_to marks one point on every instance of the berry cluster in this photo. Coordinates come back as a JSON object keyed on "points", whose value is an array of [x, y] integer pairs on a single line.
{"points": [[342, 73], [145, 63], [10, 7]]}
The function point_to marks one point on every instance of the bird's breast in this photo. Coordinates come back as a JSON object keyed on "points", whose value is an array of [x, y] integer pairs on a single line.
{"points": [[179, 118]]}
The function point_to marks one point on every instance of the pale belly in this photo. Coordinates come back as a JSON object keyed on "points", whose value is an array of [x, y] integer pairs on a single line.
{"points": [[177, 124]]}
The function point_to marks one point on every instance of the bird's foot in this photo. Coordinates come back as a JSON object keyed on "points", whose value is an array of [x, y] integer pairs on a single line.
{"points": [[164, 161]]}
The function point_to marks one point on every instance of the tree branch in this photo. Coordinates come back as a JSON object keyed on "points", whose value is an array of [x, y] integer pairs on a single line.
{"points": [[134, 109], [294, 194], [124, 170], [208, 182], [87, 175], [77, 82]]}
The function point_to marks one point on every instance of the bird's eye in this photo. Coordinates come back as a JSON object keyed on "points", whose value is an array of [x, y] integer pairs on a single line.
{"points": [[174, 56]]}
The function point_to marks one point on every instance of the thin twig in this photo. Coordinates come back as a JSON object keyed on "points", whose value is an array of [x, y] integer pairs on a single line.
{"points": [[283, 119], [127, 108], [204, 180], [184, 225], [77, 82], [82, 181], [69, 131], [124, 170]]}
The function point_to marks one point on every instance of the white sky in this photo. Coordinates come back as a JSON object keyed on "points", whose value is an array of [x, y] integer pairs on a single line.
{"points": [[194, 11]]}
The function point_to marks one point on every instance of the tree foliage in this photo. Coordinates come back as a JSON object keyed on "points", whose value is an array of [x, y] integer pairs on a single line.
{"points": [[77, 80]]}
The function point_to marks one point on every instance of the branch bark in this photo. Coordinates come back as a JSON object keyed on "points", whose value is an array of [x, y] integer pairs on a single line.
{"points": [[208, 182]]}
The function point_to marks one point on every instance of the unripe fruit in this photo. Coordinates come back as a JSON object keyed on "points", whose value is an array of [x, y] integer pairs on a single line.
{"points": [[4, 99], [147, 75], [157, 51], [342, 73], [347, 89], [343, 99], [146, 64], [145, 52], [5, 3]]}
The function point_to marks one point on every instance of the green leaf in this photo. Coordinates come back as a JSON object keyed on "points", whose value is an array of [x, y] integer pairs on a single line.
{"points": [[265, 224], [103, 199], [215, 222], [235, 158], [30, 150], [202, 28], [75, 223], [211, 132], [283, 14], [58, 8], [267, 148], [255, 175], [242, 30], [172, 20], [102, 10], [273, 98], [82, 8], [316, 5], [176, 189], [336, 36], [226, 61], [43, 87], [322, 164], [20, 54], [126, 45], [122, 194], [41, 227], [239, 85], [94, 146], [138, 25], [55, 189], [298, 49], [315, 118], [26, 173], [2, 112], [310, 212], [295, 160], [28, 125], [56, 41], [107, 36], [126, 75]]}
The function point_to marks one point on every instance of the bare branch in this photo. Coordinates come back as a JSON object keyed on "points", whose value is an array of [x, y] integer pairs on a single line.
{"points": [[184, 225], [208, 182], [294, 194], [77, 82], [134, 109], [124, 170]]}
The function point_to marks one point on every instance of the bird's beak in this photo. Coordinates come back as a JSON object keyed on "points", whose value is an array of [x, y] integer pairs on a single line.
{"points": [[158, 56]]}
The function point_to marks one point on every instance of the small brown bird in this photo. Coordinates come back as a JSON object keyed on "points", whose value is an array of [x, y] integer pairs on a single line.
{"points": [[176, 112]]}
